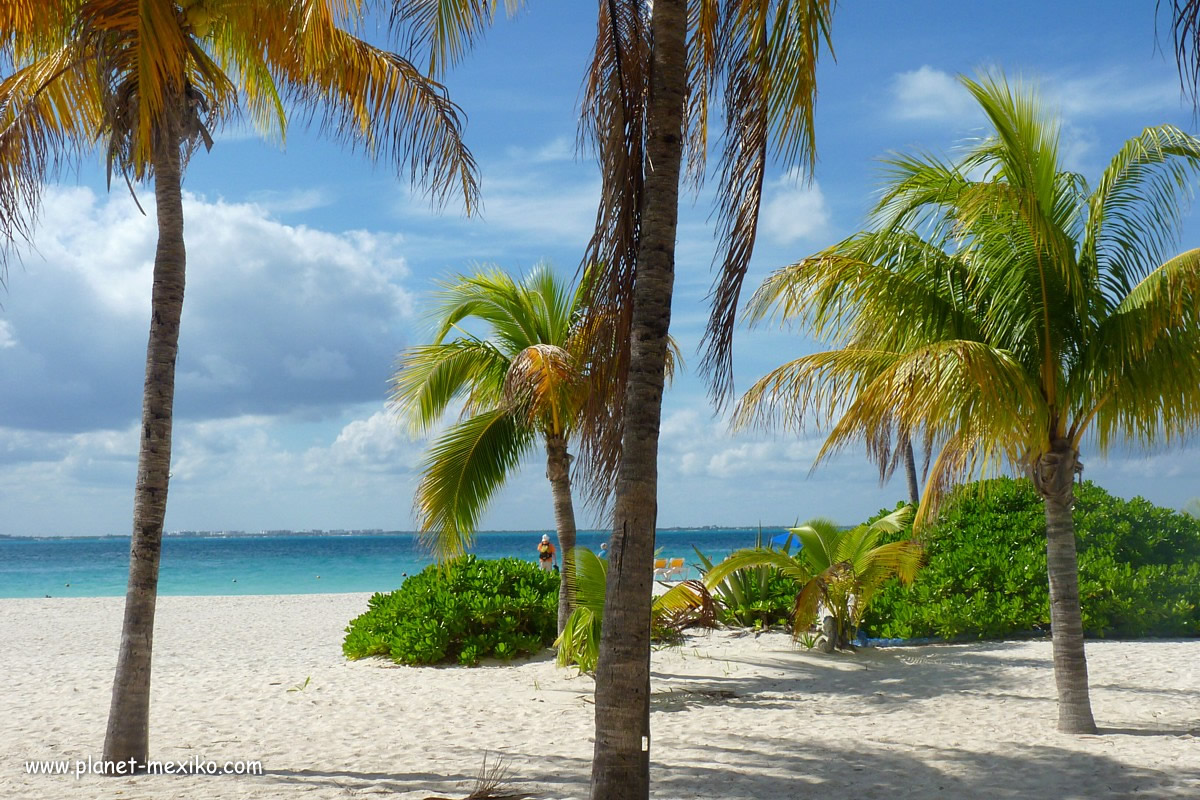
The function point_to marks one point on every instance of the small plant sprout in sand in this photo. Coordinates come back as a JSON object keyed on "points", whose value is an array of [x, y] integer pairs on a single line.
{"points": [[300, 687]]}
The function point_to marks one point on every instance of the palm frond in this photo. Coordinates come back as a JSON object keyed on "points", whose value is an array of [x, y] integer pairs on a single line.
{"points": [[755, 557], [376, 101], [49, 115], [430, 377], [540, 384], [770, 56], [447, 31], [613, 126], [463, 469], [1137, 208]]}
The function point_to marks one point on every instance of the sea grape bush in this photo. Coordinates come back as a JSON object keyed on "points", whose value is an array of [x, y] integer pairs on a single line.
{"points": [[1139, 569], [463, 611]]}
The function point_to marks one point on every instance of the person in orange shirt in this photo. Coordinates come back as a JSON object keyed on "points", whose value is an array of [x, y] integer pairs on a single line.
{"points": [[547, 558]]}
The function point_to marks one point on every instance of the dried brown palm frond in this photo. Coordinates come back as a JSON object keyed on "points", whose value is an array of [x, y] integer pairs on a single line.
{"points": [[768, 60], [691, 606], [613, 125], [541, 382], [762, 56], [446, 30], [1185, 33]]}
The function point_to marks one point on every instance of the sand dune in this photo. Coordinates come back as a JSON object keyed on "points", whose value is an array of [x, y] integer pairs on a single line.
{"points": [[733, 716]]}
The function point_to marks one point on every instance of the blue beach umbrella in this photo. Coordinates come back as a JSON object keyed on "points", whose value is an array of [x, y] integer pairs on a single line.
{"points": [[781, 539]]}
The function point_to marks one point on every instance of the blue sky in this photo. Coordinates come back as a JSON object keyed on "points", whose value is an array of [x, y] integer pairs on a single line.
{"points": [[309, 269]]}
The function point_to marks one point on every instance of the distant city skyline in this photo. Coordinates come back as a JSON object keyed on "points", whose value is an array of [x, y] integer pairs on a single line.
{"points": [[310, 269]]}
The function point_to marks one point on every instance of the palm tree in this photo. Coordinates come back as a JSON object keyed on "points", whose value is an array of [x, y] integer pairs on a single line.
{"points": [[519, 383], [841, 568], [684, 604], [646, 105], [1040, 311], [143, 81]]}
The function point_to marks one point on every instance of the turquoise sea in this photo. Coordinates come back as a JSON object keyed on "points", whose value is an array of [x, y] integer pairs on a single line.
{"points": [[287, 564]]}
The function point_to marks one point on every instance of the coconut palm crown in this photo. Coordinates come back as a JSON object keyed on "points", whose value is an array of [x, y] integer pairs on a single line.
{"points": [[142, 82], [518, 384], [1005, 311], [841, 568]]}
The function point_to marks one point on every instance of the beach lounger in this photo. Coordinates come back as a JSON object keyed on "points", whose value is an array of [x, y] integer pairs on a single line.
{"points": [[660, 567], [674, 569]]}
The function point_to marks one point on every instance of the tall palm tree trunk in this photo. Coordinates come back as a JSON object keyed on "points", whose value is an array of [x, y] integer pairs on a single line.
{"points": [[621, 764], [129, 715], [558, 470], [910, 472], [1054, 477]]}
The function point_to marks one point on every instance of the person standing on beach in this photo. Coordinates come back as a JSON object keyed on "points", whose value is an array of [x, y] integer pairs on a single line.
{"points": [[546, 555]]}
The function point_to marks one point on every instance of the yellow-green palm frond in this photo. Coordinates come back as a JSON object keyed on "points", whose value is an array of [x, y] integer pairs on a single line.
{"points": [[50, 112], [940, 388], [447, 31], [463, 469], [234, 42], [887, 288], [429, 377], [33, 28], [789, 566], [374, 100], [809, 390]]}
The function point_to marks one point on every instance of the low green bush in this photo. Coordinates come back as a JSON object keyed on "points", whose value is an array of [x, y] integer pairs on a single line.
{"points": [[463, 611], [1139, 568]]}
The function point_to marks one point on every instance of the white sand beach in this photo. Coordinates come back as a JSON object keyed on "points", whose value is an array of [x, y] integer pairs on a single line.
{"points": [[734, 717]]}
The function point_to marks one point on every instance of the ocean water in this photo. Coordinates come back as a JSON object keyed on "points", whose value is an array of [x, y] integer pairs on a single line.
{"points": [[287, 564]]}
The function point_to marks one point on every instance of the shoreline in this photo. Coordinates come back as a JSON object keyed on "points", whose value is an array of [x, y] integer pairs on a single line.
{"points": [[261, 677]]}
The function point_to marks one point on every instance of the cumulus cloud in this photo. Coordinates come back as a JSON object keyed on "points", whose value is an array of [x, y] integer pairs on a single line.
{"points": [[795, 211], [277, 318], [931, 95]]}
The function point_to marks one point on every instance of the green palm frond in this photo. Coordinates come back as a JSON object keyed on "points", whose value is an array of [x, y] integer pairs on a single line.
{"points": [[792, 567], [1137, 207], [430, 377], [463, 469]]}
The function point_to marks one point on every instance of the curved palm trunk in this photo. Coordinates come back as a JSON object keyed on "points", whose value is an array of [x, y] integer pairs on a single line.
{"points": [[558, 470], [621, 764], [129, 715], [1054, 477]]}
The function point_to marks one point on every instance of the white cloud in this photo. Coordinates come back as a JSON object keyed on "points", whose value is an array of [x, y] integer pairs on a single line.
{"points": [[7, 337], [561, 148], [1110, 93], [277, 318], [375, 443], [795, 211], [294, 201], [931, 95], [928, 94]]}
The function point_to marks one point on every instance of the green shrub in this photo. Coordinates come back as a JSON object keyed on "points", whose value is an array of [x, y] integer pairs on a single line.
{"points": [[1139, 569], [461, 612]]}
